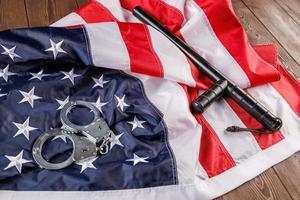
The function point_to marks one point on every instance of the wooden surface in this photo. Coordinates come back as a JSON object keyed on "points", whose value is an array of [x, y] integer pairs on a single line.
{"points": [[266, 22], [273, 22]]}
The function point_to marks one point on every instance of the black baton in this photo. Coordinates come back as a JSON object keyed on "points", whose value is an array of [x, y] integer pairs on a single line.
{"points": [[222, 85]]}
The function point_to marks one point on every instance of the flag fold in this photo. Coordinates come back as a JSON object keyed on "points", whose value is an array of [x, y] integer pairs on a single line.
{"points": [[143, 86]]}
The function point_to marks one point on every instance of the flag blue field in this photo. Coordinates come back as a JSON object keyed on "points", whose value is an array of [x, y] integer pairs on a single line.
{"points": [[33, 94], [142, 85]]}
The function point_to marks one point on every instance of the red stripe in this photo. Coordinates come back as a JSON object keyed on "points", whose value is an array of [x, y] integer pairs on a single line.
{"points": [[172, 18], [231, 34], [202, 82], [287, 87], [143, 58], [95, 12], [268, 53], [166, 14], [74, 26], [263, 140], [213, 156]]}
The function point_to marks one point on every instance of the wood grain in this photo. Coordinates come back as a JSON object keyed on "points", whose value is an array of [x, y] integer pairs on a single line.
{"points": [[45, 15], [12, 14], [292, 8], [279, 23], [82, 2], [259, 34], [263, 187], [49, 10], [265, 21], [64, 7], [288, 172]]}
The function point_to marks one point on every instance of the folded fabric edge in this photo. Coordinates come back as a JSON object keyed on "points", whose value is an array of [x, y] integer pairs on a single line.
{"points": [[201, 189]]}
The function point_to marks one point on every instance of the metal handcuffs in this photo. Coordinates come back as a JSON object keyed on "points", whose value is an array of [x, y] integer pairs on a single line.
{"points": [[93, 137]]}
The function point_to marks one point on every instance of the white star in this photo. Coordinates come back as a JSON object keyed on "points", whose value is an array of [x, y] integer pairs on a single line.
{"points": [[56, 48], [4, 73], [1, 95], [87, 164], [136, 123], [63, 137], [136, 159], [38, 75], [24, 128], [62, 103], [16, 161], [121, 102], [98, 104], [70, 75], [99, 82], [115, 140], [29, 97], [10, 52]]}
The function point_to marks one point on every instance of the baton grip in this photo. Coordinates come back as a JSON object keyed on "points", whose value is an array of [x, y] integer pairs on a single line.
{"points": [[254, 108], [209, 96], [257, 110]]}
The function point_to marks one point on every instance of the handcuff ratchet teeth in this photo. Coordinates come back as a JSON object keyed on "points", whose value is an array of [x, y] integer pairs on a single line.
{"points": [[93, 137]]}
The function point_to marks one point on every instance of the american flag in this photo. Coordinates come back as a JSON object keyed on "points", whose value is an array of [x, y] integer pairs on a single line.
{"points": [[35, 94], [142, 85]]}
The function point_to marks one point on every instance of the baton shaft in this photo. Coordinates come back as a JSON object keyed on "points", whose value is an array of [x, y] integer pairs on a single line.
{"points": [[253, 107]]}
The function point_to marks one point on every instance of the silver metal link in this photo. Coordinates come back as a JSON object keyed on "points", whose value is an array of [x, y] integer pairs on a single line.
{"points": [[85, 139]]}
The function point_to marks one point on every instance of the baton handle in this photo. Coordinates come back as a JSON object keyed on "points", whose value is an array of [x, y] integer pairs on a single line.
{"points": [[253, 107], [209, 96]]}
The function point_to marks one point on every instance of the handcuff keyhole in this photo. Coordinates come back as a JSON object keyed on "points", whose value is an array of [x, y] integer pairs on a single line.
{"points": [[80, 115], [84, 150]]}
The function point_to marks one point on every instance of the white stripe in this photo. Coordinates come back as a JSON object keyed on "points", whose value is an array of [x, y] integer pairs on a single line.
{"points": [[114, 7], [184, 131], [206, 188], [252, 167], [174, 62], [240, 145], [198, 33], [120, 13], [184, 135], [107, 46], [129, 17], [71, 19], [203, 189], [178, 4], [274, 102], [200, 172], [173, 192]]}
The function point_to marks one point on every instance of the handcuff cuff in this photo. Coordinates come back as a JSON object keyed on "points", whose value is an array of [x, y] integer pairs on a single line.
{"points": [[87, 140]]}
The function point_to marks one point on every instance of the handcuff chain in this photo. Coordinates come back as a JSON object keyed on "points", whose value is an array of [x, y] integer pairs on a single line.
{"points": [[104, 147], [85, 144]]}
